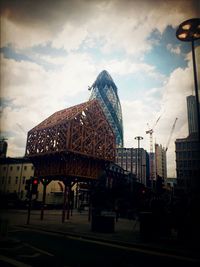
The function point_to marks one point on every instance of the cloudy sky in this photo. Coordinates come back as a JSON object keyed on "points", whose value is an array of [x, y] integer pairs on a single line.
{"points": [[51, 51]]}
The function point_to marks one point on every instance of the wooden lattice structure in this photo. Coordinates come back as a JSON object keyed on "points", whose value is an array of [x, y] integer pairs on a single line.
{"points": [[73, 142]]}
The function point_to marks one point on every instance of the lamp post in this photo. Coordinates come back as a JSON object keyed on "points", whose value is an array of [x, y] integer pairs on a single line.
{"points": [[144, 174], [137, 165], [189, 31]]}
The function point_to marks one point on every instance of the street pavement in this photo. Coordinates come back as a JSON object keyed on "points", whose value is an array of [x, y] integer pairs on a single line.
{"points": [[126, 233]]}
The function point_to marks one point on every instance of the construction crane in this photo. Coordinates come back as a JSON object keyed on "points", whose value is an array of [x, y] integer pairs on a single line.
{"points": [[150, 132], [170, 136]]}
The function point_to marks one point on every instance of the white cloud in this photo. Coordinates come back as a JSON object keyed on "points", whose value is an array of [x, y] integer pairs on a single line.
{"points": [[188, 57], [22, 36], [175, 91], [127, 66], [35, 93], [70, 38], [174, 49], [136, 115], [119, 25], [171, 104]]}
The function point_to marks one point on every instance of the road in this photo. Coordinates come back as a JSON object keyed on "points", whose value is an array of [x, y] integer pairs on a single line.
{"points": [[48, 248], [38, 248]]}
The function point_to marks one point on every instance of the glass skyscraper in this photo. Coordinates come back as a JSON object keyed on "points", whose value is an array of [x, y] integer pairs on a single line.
{"points": [[192, 114], [105, 90]]}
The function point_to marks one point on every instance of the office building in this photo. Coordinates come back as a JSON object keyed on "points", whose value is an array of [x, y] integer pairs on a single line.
{"points": [[188, 153], [192, 114], [105, 90], [160, 162], [188, 163], [134, 161]]}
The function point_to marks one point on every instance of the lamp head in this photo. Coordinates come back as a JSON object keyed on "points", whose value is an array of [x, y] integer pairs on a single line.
{"points": [[189, 30]]}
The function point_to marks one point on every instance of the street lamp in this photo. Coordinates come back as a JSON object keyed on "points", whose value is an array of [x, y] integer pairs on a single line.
{"points": [[137, 165], [189, 31]]}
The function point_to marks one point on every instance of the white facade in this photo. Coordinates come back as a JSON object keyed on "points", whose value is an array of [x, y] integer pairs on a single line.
{"points": [[13, 175]]}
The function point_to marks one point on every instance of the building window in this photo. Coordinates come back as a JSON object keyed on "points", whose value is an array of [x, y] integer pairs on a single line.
{"points": [[25, 168], [184, 164], [32, 168], [24, 179], [16, 180], [9, 180], [11, 168], [189, 163], [18, 167], [4, 168]]}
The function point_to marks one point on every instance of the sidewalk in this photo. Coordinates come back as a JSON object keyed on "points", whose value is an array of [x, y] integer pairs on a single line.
{"points": [[79, 225], [127, 232]]}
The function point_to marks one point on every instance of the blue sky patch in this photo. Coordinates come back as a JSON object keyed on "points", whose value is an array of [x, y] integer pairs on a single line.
{"points": [[161, 57]]}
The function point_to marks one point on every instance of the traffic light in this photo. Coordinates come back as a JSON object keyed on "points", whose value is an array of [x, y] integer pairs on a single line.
{"points": [[28, 187], [142, 191], [35, 183]]}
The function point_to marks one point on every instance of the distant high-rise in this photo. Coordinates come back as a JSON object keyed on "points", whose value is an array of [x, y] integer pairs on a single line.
{"points": [[188, 152], [105, 90], [192, 114], [160, 162], [188, 162], [3, 148], [127, 159]]}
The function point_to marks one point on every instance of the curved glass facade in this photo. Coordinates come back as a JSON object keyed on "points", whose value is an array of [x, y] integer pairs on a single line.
{"points": [[105, 90]]}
